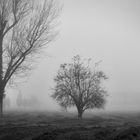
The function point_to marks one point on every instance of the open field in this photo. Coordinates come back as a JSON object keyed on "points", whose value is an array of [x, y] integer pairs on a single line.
{"points": [[59, 126]]}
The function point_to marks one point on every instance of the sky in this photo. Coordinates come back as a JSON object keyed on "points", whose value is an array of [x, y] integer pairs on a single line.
{"points": [[107, 30]]}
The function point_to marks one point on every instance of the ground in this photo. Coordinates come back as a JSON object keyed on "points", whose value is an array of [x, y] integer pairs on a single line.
{"points": [[65, 126]]}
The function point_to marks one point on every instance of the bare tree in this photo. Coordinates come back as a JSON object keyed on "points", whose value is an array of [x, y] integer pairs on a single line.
{"points": [[77, 85], [25, 27]]}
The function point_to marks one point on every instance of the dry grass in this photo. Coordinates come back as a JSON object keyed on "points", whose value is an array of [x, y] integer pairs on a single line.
{"points": [[56, 126]]}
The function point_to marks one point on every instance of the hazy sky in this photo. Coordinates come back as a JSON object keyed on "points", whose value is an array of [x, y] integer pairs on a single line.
{"points": [[107, 30]]}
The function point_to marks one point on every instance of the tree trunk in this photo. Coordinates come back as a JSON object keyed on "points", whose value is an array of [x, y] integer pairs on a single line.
{"points": [[1, 102], [80, 113], [2, 26], [1, 107]]}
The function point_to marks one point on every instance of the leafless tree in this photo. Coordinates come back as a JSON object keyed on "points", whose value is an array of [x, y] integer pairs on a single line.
{"points": [[78, 85], [25, 27]]}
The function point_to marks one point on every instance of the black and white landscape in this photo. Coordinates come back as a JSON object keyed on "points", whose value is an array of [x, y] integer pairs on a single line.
{"points": [[69, 69]]}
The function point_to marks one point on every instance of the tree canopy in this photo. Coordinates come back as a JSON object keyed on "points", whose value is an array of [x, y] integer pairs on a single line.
{"points": [[79, 85]]}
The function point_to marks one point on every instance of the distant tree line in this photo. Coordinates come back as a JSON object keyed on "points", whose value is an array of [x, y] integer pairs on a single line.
{"points": [[24, 102], [6, 102]]}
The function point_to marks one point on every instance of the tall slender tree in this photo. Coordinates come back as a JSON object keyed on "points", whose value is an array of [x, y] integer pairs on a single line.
{"points": [[25, 27]]}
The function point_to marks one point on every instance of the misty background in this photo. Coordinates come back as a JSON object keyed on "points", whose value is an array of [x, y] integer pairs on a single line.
{"points": [[101, 30]]}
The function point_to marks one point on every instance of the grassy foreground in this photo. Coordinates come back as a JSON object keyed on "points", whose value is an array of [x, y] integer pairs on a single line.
{"points": [[59, 126]]}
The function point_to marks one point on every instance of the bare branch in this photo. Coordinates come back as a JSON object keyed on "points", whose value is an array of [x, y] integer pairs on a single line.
{"points": [[28, 27]]}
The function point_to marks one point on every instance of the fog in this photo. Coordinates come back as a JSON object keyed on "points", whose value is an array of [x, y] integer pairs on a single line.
{"points": [[101, 30]]}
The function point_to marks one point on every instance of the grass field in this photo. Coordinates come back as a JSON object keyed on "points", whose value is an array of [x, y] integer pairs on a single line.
{"points": [[65, 126]]}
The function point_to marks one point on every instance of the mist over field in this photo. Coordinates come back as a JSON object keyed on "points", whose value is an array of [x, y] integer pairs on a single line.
{"points": [[101, 30], [69, 69]]}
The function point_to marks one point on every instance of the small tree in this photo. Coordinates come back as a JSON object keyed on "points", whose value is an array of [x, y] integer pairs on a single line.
{"points": [[78, 85], [25, 27]]}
